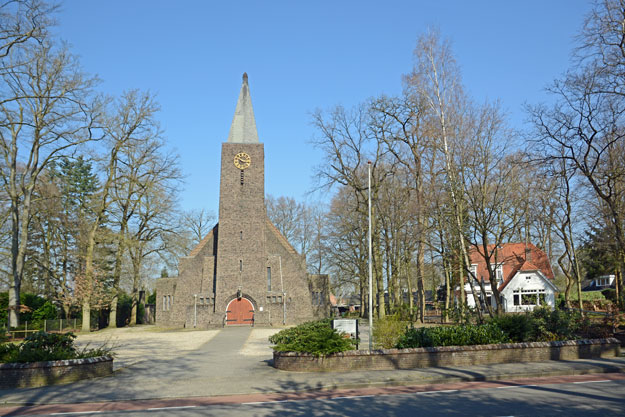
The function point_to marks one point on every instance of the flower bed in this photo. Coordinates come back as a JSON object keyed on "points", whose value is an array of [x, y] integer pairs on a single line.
{"points": [[411, 358], [37, 374]]}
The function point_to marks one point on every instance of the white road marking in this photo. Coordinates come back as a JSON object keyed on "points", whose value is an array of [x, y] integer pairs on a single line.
{"points": [[172, 408], [361, 396], [592, 382]]}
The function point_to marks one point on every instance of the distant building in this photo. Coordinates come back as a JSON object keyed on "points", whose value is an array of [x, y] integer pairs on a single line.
{"points": [[601, 283], [244, 272], [524, 278]]}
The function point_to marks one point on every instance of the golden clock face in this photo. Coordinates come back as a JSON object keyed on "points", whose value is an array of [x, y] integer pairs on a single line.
{"points": [[242, 160]]}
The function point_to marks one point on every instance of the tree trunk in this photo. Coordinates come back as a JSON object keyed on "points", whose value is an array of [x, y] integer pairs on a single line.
{"points": [[113, 310], [420, 280]]}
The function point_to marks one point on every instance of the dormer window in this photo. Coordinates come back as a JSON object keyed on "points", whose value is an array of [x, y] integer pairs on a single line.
{"points": [[499, 273]]}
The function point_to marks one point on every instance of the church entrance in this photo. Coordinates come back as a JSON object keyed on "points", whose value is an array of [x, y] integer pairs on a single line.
{"points": [[240, 311]]}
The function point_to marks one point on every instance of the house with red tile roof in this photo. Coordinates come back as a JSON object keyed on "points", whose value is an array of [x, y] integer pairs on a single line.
{"points": [[524, 277]]}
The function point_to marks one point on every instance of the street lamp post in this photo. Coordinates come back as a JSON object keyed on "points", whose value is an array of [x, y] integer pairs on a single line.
{"points": [[370, 268], [194, 310]]}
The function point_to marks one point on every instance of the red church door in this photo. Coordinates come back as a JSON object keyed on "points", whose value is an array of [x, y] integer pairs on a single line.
{"points": [[240, 311]]}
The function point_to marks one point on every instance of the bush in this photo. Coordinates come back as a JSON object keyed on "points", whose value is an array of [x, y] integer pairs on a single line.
{"points": [[551, 325], [47, 311], [387, 331], [8, 352], [518, 327], [316, 337], [609, 294], [460, 335], [42, 346]]}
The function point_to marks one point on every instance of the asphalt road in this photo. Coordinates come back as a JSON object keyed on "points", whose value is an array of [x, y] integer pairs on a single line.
{"points": [[586, 395]]}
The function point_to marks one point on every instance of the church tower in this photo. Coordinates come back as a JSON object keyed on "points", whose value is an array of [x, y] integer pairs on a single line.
{"points": [[241, 254], [244, 272]]}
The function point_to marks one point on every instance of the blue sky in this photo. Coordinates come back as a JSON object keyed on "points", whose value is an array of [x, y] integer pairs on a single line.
{"points": [[301, 56]]}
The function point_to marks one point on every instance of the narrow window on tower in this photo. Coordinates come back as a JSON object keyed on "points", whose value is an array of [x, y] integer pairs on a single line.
{"points": [[240, 266], [268, 278], [242, 177], [241, 234]]}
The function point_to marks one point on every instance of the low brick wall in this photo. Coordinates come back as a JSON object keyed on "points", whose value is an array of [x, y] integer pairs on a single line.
{"points": [[38, 374], [386, 359]]}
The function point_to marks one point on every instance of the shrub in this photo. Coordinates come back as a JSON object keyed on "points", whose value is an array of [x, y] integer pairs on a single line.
{"points": [[609, 294], [316, 337], [518, 327], [550, 325], [46, 312], [8, 352], [387, 331], [42, 346], [460, 335]]}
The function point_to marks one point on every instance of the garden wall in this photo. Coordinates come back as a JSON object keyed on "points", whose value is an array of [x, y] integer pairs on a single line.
{"points": [[38, 374], [386, 359]]}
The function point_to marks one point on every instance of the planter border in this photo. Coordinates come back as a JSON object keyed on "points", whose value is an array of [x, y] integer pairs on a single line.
{"points": [[411, 358], [38, 374]]}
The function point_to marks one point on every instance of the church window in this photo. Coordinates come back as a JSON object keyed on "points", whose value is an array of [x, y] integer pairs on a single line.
{"points": [[268, 278], [164, 303], [240, 265], [241, 234], [242, 177]]}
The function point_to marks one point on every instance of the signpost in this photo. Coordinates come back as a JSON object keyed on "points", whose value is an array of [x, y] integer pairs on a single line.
{"points": [[348, 326]]}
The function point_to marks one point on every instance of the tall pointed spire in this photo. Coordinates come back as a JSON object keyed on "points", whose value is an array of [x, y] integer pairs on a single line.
{"points": [[243, 128]]}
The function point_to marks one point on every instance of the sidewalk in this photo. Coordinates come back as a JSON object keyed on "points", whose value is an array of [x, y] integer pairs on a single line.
{"points": [[237, 361]]}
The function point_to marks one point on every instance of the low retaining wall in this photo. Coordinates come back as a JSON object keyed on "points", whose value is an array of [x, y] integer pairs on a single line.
{"points": [[386, 359], [38, 374]]}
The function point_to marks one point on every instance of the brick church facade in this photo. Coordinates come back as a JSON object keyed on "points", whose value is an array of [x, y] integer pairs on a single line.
{"points": [[244, 272]]}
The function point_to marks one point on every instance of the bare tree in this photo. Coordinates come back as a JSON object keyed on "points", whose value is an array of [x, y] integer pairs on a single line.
{"points": [[129, 123], [197, 222], [435, 81], [48, 113]]}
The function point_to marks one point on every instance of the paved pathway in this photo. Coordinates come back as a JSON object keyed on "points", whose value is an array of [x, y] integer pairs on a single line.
{"points": [[237, 361]]}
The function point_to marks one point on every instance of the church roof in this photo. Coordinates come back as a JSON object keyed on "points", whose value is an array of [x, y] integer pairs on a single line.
{"points": [[243, 128]]}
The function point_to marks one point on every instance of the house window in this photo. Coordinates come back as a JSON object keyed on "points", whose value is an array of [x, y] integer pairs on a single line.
{"points": [[473, 270], [499, 274], [268, 278], [273, 299], [280, 299], [529, 297]]}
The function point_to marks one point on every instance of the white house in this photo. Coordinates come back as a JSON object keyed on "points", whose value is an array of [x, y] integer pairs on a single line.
{"points": [[600, 283], [524, 277]]}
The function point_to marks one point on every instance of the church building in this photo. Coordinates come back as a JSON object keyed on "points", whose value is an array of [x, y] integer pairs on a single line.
{"points": [[244, 272]]}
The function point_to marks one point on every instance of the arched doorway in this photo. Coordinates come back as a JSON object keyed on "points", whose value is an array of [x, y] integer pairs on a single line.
{"points": [[240, 311]]}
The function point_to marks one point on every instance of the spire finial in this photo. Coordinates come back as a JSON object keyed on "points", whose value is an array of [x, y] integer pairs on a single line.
{"points": [[245, 77]]}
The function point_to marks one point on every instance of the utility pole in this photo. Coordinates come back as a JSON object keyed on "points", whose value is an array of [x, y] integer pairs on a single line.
{"points": [[370, 269]]}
